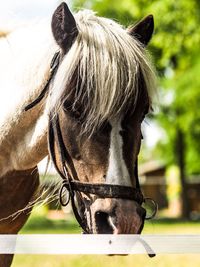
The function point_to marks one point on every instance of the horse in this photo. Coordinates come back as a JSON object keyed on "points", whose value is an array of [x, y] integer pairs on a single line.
{"points": [[76, 88]]}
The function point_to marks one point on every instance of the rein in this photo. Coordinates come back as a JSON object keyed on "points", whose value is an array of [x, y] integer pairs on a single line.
{"points": [[67, 171]]}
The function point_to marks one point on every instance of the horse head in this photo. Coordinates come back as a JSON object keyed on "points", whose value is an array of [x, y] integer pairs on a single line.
{"points": [[99, 97]]}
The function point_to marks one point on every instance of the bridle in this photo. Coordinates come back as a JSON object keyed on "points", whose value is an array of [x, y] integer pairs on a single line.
{"points": [[67, 171], [72, 184]]}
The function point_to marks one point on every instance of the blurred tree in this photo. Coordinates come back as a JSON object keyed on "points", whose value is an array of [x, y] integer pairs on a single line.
{"points": [[175, 50]]}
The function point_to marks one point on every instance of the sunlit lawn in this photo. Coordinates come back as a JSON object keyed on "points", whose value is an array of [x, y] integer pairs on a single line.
{"points": [[39, 224]]}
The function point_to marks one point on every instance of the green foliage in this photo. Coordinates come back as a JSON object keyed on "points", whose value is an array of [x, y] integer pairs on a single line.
{"points": [[175, 50]]}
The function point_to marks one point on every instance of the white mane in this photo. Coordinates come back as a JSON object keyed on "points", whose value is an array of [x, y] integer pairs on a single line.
{"points": [[107, 61]]}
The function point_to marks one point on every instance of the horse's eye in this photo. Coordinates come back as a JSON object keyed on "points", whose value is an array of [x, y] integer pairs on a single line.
{"points": [[73, 112], [76, 114], [67, 106]]}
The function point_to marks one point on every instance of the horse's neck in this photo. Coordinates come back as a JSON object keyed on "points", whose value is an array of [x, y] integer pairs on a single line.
{"points": [[25, 57]]}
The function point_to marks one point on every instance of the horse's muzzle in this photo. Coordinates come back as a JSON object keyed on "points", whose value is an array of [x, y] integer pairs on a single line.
{"points": [[115, 216]]}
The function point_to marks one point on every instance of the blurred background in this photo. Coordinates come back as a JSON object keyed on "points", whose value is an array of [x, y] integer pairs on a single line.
{"points": [[169, 160]]}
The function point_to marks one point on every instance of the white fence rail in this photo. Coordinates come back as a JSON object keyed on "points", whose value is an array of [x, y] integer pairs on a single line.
{"points": [[99, 244]]}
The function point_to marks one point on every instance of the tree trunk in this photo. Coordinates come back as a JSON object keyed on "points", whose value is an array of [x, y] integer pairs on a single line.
{"points": [[181, 148]]}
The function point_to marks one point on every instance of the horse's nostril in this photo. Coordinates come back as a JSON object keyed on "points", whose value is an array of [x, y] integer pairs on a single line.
{"points": [[141, 212], [102, 223]]}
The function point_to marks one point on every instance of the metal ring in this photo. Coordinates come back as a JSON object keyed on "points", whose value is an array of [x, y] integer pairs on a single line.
{"points": [[68, 180], [63, 187], [154, 204]]}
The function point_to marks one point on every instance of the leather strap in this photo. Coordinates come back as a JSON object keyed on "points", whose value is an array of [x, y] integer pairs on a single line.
{"points": [[53, 69], [106, 190]]}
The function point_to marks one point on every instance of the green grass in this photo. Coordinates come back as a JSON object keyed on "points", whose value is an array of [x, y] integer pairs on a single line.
{"points": [[171, 226], [43, 225], [38, 223], [106, 261]]}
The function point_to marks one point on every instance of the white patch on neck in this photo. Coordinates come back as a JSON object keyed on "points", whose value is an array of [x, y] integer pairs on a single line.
{"points": [[117, 172]]}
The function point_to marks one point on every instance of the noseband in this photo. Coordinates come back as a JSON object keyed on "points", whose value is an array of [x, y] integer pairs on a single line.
{"points": [[68, 172]]}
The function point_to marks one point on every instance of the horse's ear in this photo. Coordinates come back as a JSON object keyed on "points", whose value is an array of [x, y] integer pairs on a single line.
{"points": [[64, 27], [143, 30]]}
